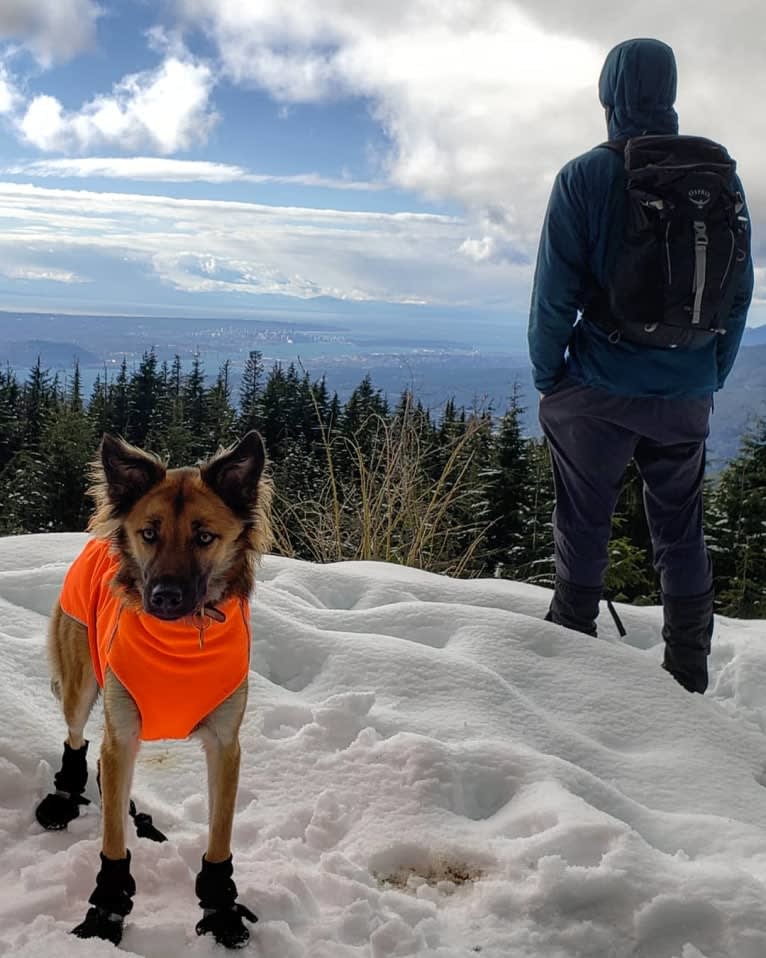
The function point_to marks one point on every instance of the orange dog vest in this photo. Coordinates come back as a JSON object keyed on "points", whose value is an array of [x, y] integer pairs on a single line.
{"points": [[175, 674]]}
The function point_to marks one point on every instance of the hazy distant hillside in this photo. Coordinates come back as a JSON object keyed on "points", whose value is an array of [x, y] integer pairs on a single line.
{"points": [[23, 354], [475, 363], [756, 336], [740, 402]]}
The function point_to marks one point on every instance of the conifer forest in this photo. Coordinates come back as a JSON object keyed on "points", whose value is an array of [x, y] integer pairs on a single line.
{"points": [[462, 493]]}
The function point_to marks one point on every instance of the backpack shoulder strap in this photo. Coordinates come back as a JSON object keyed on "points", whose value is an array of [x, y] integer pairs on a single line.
{"points": [[616, 146]]}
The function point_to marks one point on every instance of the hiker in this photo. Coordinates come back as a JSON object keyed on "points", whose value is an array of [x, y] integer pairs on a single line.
{"points": [[643, 281]]}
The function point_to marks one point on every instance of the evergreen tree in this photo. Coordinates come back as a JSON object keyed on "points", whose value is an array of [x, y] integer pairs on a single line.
{"points": [[536, 561], [145, 397], [470, 512], [69, 446], [99, 407], [119, 403], [629, 577], [11, 428], [171, 436], [739, 520], [334, 412], [219, 413], [24, 493], [43, 486], [630, 574], [193, 396], [310, 411], [322, 403], [161, 414], [509, 486], [361, 426], [274, 424], [251, 394], [74, 398], [365, 405], [38, 401]]}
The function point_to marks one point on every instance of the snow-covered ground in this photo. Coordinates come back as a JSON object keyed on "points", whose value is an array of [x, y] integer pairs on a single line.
{"points": [[429, 769]]}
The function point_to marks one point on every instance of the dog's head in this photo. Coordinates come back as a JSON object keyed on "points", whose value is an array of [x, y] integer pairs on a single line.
{"points": [[185, 537]]}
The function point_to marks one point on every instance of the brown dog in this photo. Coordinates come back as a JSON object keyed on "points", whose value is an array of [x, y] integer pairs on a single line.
{"points": [[154, 611]]}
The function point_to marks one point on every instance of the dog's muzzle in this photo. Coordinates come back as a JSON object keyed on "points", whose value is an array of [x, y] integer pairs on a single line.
{"points": [[168, 598]]}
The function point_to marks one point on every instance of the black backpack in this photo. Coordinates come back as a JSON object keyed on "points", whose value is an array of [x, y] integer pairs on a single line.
{"points": [[685, 244]]}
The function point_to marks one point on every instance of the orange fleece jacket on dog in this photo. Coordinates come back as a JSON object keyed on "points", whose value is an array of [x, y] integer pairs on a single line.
{"points": [[175, 680]]}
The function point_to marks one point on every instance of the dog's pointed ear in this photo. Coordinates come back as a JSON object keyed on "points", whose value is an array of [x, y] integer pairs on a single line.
{"points": [[235, 473], [127, 473]]}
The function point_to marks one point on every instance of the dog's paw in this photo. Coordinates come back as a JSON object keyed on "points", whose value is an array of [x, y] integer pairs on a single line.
{"points": [[58, 809], [99, 923], [226, 925]]}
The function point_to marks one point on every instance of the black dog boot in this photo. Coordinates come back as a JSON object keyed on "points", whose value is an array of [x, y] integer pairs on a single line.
{"points": [[687, 632], [112, 900], [574, 606], [222, 915], [58, 808]]}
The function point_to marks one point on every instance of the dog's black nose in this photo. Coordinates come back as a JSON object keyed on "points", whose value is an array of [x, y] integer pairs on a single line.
{"points": [[166, 598]]}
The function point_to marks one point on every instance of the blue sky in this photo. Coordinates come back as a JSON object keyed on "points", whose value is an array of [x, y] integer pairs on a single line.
{"points": [[195, 156]]}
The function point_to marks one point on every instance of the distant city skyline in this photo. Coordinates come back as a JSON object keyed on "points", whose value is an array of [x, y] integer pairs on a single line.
{"points": [[200, 156]]}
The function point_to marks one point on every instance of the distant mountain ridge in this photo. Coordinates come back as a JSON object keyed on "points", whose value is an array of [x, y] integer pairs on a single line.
{"points": [[23, 354]]}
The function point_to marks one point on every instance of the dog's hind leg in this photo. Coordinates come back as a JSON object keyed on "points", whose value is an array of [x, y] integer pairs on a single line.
{"points": [[74, 683], [215, 887], [112, 898]]}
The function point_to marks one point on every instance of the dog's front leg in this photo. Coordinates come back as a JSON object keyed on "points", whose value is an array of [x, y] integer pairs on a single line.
{"points": [[74, 683], [223, 769], [112, 899], [215, 886]]}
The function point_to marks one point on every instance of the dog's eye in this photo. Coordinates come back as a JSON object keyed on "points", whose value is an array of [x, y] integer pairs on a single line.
{"points": [[149, 534], [205, 538]]}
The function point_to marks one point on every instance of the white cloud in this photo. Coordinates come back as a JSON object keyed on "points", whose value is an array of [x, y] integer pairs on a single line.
{"points": [[166, 109], [203, 246], [163, 169], [483, 100], [38, 273], [158, 169], [202, 273], [499, 242], [43, 123], [52, 29], [468, 93]]}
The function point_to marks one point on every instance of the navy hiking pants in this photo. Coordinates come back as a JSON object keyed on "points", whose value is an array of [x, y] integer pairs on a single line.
{"points": [[593, 435]]}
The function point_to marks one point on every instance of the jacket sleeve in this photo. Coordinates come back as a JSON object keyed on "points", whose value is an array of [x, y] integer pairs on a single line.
{"points": [[728, 345], [561, 275]]}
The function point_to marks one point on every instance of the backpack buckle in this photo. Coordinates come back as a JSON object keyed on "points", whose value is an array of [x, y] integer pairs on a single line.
{"points": [[700, 233]]}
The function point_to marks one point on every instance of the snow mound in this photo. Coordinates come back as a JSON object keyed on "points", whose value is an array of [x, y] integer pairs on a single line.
{"points": [[429, 769]]}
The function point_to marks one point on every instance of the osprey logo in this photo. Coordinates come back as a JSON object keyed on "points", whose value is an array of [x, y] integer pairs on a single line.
{"points": [[699, 197]]}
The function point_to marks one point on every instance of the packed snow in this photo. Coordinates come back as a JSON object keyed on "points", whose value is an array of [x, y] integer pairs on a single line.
{"points": [[429, 769]]}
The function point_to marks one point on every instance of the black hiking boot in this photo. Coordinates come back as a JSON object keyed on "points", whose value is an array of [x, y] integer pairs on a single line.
{"points": [[687, 632], [574, 606]]}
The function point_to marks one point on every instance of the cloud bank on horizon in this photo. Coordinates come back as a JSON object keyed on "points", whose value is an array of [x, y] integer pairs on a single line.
{"points": [[463, 111]]}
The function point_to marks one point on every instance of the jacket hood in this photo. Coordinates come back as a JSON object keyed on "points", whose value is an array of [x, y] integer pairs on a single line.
{"points": [[638, 88]]}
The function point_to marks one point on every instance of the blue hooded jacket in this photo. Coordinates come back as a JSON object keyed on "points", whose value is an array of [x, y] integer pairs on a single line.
{"points": [[580, 236]]}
